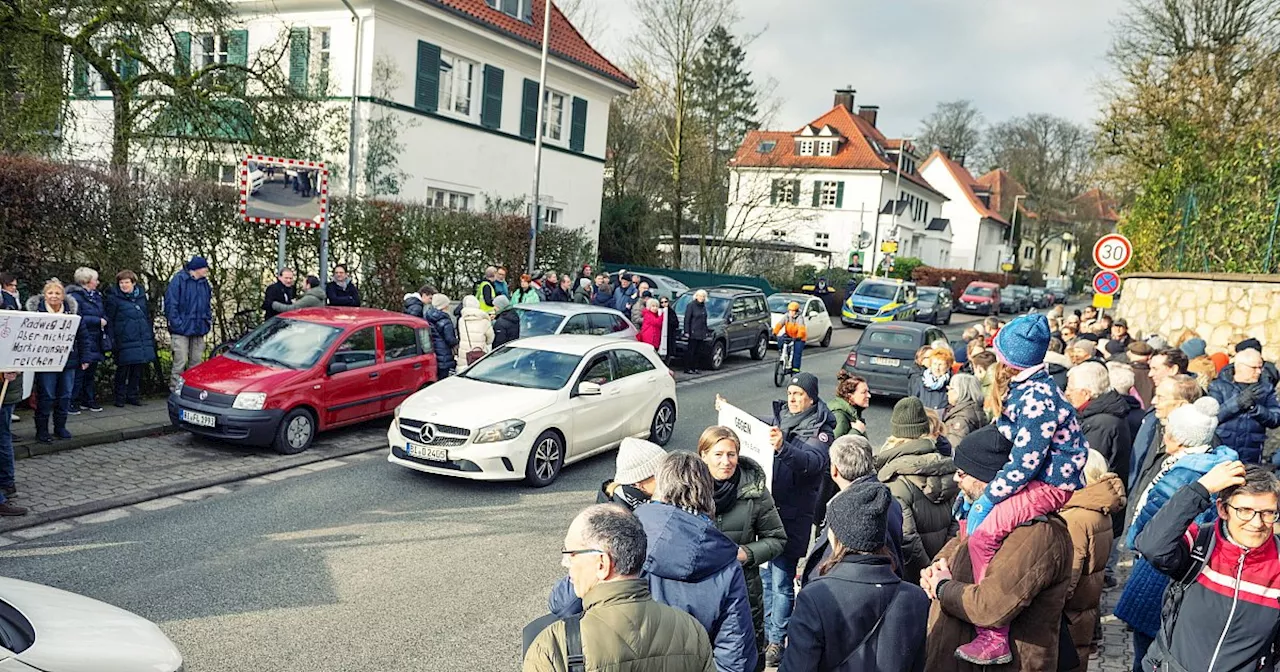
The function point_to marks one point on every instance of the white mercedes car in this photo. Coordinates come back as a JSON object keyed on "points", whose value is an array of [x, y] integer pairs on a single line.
{"points": [[44, 629], [534, 405]]}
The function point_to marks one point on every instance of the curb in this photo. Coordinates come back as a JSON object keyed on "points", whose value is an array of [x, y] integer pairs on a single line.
{"points": [[35, 448], [38, 519]]}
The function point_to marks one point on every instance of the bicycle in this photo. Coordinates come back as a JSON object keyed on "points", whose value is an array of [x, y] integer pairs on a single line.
{"points": [[242, 322], [782, 370]]}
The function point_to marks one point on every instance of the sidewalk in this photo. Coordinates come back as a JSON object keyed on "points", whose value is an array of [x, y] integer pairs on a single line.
{"points": [[67, 484], [88, 429]]}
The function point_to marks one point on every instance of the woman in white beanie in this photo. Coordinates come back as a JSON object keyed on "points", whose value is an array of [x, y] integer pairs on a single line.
{"points": [[475, 332], [633, 481]]}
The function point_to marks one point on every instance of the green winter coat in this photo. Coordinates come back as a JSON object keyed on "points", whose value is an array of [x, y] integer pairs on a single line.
{"points": [[924, 484], [846, 414], [14, 393], [754, 524], [625, 630]]}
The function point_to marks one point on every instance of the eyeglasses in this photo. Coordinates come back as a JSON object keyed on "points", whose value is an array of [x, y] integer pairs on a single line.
{"points": [[579, 551], [1247, 515]]}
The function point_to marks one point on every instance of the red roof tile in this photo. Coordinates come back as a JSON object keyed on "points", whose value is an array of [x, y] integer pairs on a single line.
{"points": [[566, 41], [967, 184], [858, 151], [1002, 186], [1094, 205]]}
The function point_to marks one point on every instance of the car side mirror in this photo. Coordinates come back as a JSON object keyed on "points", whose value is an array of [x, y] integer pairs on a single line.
{"points": [[337, 367], [588, 389], [728, 319]]}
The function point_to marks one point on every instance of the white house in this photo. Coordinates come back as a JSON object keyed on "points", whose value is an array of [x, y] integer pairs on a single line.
{"points": [[977, 230], [837, 184], [463, 98]]}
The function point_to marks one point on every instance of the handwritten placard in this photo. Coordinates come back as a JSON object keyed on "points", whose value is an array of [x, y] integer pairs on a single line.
{"points": [[36, 341], [754, 436]]}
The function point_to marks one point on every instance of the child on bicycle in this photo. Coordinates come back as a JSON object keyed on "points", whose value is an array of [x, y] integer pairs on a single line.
{"points": [[792, 328]]}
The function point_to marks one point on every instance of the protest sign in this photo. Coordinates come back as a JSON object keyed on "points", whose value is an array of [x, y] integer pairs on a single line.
{"points": [[754, 436], [36, 341]]}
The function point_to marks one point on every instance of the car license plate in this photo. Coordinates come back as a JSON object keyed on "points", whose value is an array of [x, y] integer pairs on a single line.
{"points": [[427, 453], [199, 419], [885, 361]]}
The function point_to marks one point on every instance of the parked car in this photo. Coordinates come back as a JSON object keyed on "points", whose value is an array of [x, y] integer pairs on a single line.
{"points": [[1015, 299], [981, 298], [660, 285], [738, 317], [935, 305], [1041, 298], [550, 318], [52, 630], [885, 355], [531, 407], [1060, 294], [817, 320], [304, 372], [880, 300]]}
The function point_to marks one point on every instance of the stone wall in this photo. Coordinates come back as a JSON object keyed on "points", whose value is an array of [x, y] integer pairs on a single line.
{"points": [[1217, 306]]}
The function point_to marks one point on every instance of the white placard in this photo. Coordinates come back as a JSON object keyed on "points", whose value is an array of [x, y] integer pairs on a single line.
{"points": [[36, 341], [754, 436]]}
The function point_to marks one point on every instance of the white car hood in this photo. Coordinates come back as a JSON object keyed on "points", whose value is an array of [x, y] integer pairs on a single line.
{"points": [[472, 404], [79, 634]]}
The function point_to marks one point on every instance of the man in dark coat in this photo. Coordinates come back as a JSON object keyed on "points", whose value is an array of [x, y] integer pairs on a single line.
{"points": [[1140, 353], [1248, 406], [1103, 414], [188, 308], [342, 290], [696, 330], [282, 291], [506, 323], [603, 295]]}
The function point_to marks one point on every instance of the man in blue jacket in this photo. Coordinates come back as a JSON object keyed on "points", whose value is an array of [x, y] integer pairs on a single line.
{"points": [[188, 307], [624, 297], [1248, 405]]}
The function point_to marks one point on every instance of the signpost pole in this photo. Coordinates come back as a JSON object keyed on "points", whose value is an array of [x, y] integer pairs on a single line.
{"points": [[280, 249]]}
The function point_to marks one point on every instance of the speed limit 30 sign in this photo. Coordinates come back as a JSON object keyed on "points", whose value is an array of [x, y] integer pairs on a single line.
{"points": [[1112, 252]]}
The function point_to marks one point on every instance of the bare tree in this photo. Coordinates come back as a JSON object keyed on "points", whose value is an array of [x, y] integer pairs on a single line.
{"points": [[585, 16], [954, 125]]}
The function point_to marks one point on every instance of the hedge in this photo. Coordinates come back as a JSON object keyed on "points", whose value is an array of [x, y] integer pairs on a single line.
{"points": [[927, 276]]}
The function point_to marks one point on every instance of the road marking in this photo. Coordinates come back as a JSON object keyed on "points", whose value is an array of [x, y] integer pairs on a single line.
{"points": [[157, 504], [43, 530], [102, 517]]}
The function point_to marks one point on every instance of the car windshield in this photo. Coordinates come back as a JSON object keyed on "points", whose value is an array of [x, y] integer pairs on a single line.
{"points": [[924, 294], [978, 291], [778, 302], [716, 306], [538, 323], [524, 367], [876, 290], [1015, 289], [891, 339], [287, 343]]}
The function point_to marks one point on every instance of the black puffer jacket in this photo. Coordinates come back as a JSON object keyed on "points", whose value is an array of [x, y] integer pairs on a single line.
{"points": [[1105, 423], [506, 327], [924, 484], [444, 338], [92, 311]]}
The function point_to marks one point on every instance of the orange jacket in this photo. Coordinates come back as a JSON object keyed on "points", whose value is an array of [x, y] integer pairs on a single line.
{"points": [[795, 327]]}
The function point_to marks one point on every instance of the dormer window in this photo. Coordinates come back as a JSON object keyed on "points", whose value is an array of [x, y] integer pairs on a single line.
{"points": [[520, 9], [766, 146], [806, 148], [826, 147]]}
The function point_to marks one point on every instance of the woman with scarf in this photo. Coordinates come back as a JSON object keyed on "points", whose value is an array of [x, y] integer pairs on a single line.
{"points": [[931, 386], [745, 512], [54, 388]]}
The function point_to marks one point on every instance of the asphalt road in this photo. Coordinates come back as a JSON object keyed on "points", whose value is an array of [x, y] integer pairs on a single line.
{"points": [[367, 566]]}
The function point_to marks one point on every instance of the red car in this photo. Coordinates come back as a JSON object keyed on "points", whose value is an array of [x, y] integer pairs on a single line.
{"points": [[306, 371], [979, 297]]}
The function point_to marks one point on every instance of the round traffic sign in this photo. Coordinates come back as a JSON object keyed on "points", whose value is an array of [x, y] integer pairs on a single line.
{"points": [[1106, 282], [1112, 252]]}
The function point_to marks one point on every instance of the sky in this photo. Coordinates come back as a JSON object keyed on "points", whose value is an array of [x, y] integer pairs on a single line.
{"points": [[1010, 57]]}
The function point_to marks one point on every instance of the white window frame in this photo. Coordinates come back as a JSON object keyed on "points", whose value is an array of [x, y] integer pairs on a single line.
{"points": [[96, 83], [826, 147], [829, 194], [553, 116], [228, 169], [551, 215], [321, 53], [201, 58], [786, 192], [459, 77], [449, 199], [521, 7], [806, 147]]}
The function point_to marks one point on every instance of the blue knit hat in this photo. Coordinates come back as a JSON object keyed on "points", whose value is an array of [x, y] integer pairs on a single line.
{"points": [[1193, 347], [1023, 342]]}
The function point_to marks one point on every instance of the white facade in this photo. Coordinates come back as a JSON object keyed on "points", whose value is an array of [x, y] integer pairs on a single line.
{"points": [[837, 220], [449, 157], [977, 242]]}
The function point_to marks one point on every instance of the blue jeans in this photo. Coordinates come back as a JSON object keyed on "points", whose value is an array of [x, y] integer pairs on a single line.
{"points": [[1141, 643], [797, 350], [54, 398], [779, 578], [6, 448], [86, 393]]}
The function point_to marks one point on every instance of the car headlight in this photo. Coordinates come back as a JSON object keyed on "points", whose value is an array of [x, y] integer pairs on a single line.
{"points": [[500, 431], [181, 382], [396, 414], [250, 401]]}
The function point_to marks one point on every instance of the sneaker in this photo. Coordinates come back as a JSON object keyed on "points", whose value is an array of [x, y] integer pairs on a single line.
{"points": [[773, 655], [7, 509], [62, 433], [95, 407], [118, 404], [14, 418], [74, 410], [990, 647]]}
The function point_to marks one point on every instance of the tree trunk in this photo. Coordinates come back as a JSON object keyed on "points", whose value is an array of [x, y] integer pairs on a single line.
{"points": [[128, 243]]}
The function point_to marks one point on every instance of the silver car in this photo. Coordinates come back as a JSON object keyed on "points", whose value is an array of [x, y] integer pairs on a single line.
{"points": [[661, 286], [546, 319]]}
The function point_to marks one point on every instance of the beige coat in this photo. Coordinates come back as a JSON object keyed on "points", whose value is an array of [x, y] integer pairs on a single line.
{"points": [[475, 330], [1088, 516]]}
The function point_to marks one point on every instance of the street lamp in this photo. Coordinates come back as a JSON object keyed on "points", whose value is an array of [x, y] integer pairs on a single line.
{"points": [[537, 137], [897, 183]]}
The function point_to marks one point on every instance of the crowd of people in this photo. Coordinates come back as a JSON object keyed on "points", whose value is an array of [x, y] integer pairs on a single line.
{"points": [[981, 535]]}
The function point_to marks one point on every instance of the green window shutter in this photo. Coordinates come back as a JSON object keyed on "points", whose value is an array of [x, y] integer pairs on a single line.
{"points": [[299, 58], [426, 94], [578, 126], [238, 54], [817, 193], [182, 53], [773, 192], [491, 102], [529, 110], [840, 194], [79, 76], [795, 192]]}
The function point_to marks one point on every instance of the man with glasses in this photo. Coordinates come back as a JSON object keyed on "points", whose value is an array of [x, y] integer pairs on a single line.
{"points": [[1248, 406], [1223, 609], [621, 626]]}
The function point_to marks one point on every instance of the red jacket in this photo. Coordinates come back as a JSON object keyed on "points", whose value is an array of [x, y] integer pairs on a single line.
{"points": [[651, 329]]}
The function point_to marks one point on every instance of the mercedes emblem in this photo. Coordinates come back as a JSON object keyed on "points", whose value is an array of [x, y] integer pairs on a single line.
{"points": [[427, 433], [204, 394]]}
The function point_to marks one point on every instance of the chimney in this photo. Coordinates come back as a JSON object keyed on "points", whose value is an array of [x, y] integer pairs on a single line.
{"points": [[844, 97], [869, 112]]}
